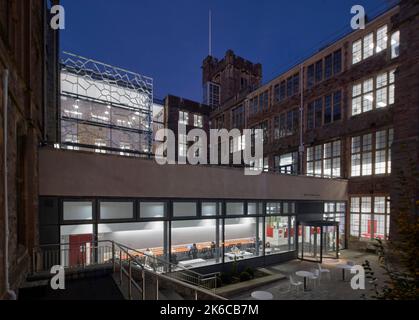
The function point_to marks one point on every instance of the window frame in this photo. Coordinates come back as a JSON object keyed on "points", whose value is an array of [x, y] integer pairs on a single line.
{"points": [[360, 155]]}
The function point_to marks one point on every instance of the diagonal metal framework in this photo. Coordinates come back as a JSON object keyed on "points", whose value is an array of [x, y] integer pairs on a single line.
{"points": [[105, 108]]}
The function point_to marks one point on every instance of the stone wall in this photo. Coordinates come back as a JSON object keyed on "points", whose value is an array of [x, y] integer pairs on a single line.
{"points": [[22, 53], [405, 150]]}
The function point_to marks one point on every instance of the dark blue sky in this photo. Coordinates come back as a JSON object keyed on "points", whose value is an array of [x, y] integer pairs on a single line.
{"points": [[168, 39]]}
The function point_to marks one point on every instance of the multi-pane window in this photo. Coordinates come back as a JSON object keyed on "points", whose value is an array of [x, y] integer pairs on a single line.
{"points": [[370, 217], [315, 114], [395, 44], [254, 105], [276, 128], [310, 76], [328, 66], [324, 68], [363, 48], [310, 116], [355, 214], [324, 160], [357, 51], [318, 113], [197, 121], [335, 211], [260, 103], [287, 163], [238, 117], [287, 123], [212, 95], [266, 100], [287, 88], [327, 109], [282, 90], [276, 93], [383, 143], [183, 145], [324, 111], [373, 93], [183, 117], [368, 46], [382, 39], [337, 61], [371, 153], [337, 106], [296, 83], [319, 71]]}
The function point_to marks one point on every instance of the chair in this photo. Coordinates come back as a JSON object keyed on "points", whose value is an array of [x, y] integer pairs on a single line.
{"points": [[323, 270], [295, 284], [315, 278]]}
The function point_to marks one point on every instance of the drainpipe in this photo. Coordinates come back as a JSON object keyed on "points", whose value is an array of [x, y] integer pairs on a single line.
{"points": [[11, 295], [301, 148], [44, 76]]}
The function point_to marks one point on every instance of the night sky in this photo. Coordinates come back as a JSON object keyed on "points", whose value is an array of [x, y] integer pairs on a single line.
{"points": [[168, 39]]}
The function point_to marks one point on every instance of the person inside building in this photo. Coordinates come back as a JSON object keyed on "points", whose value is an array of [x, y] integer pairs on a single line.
{"points": [[193, 252], [213, 249]]}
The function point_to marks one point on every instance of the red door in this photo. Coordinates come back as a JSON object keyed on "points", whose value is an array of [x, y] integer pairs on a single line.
{"points": [[77, 254]]}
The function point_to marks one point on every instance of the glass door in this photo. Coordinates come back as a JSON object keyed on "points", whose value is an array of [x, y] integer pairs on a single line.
{"points": [[330, 245], [309, 243]]}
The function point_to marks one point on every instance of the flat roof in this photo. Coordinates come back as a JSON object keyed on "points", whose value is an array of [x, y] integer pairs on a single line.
{"points": [[87, 174]]}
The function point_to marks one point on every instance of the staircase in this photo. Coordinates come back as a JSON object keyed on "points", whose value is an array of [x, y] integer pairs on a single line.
{"points": [[106, 265]]}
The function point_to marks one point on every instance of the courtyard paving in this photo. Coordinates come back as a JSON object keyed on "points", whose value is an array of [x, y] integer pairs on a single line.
{"points": [[334, 289]]}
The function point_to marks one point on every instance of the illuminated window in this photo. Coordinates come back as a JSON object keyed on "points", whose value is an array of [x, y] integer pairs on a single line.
{"points": [[370, 217], [287, 163], [371, 154], [357, 51], [324, 160], [382, 39], [183, 145], [183, 117], [197, 119], [100, 143], [336, 211], [395, 44], [372, 93], [384, 141], [368, 46]]}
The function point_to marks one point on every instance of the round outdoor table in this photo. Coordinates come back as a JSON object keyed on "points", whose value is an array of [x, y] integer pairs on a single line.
{"points": [[262, 295], [305, 275], [344, 267]]}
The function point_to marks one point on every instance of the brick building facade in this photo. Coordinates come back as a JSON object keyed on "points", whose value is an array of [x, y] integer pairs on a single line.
{"points": [[23, 49], [191, 114], [359, 119]]}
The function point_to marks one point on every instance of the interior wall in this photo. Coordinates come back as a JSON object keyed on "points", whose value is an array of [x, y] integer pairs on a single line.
{"points": [[190, 232]]}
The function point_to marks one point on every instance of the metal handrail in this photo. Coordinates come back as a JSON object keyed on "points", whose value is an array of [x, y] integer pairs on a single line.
{"points": [[204, 283], [172, 265]]}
